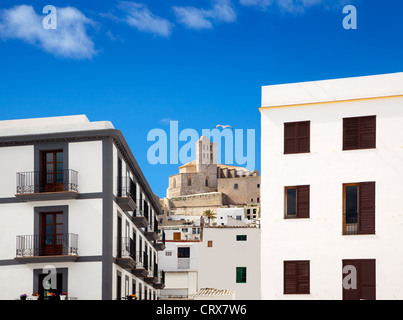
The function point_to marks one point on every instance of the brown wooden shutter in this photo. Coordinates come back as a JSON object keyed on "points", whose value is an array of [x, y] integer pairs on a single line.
{"points": [[303, 202], [304, 133], [368, 279], [367, 132], [350, 133], [290, 277], [352, 294], [366, 213], [290, 135], [303, 277], [297, 137]]}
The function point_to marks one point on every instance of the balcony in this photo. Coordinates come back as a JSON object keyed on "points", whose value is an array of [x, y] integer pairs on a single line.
{"points": [[140, 268], [140, 219], [160, 284], [152, 234], [152, 277], [126, 253], [126, 194], [159, 245], [47, 185], [47, 248]]}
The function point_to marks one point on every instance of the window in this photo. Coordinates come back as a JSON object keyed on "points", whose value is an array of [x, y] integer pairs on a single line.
{"points": [[239, 218], [297, 202], [174, 182], [241, 238], [359, 208], [207, 181], [189, 181], [241, 275], [236, 186], [184, 252], [258, 186], [177, 236], [297, 137], [168, 253], [258, 200], [296, 277], [363, 273], [359, 133], [209, 244]]}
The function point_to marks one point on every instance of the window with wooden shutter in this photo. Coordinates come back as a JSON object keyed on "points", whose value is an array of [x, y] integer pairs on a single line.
{"points": [[359, 208], [297, 202], [365, 288], [359, 133], [297, 137], [296, 277]]}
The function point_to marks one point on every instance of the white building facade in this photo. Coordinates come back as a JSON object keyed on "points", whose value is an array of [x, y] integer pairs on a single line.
{"points": [[73, 199], [229, 259], [180, 261], [332, 166]]}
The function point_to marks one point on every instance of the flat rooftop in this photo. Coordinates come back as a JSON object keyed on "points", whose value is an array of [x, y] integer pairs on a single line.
{"points": [[50, 125], [326, 91]]}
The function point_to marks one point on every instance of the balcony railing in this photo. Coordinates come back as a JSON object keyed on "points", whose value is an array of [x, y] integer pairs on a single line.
{"points": [[126, 188], [47, 181], [65, 244], [350, 224], [126, 248]]}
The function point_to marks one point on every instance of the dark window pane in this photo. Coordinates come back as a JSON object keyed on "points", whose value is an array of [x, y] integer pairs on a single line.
{"points": [[49, 157], [59, 157], [351, 204], [291, 202]]}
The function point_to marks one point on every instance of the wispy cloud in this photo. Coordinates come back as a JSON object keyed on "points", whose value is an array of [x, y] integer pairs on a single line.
{"points": [[69, 40], [196, 18], [141, 18], [293, 6]]}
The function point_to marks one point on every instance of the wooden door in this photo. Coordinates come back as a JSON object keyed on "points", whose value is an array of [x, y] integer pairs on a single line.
{"points": [[52, 233], [53, 174]]}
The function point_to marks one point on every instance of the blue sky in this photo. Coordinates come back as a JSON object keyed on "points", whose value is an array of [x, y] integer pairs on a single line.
{"points": [[200, 62]]}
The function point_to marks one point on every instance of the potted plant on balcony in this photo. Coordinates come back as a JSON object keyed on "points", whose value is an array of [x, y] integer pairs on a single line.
{"points": [[131, 297], [35, 296], [51, 296], [23, 296], [63, 296]]}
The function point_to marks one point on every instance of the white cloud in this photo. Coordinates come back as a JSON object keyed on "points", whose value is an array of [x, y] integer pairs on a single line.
{"points": [[141, 18], [293, 6], [196, 18], [69, 40]]}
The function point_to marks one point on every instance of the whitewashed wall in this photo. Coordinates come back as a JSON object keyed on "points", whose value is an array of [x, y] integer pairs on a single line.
{"points": [[319, 239]]}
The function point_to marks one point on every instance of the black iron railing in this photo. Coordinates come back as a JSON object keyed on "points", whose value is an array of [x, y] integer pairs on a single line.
{"points": [[47, 181], [126, 188], [126, 248], [350, 224], [140, 213], [65, 244]]}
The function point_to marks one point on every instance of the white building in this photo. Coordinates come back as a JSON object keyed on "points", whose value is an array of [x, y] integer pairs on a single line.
{"points": [[229, 259], [332, 166], [73, 197], [180, 261]]}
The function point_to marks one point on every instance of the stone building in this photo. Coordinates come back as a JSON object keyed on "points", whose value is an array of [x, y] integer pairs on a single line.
{"points": [[203, 185]]}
